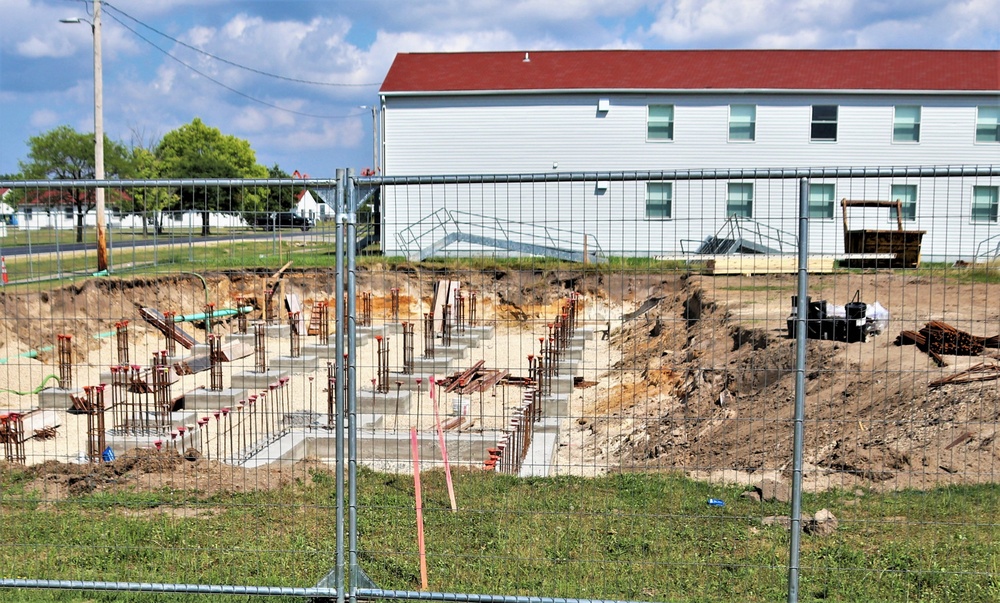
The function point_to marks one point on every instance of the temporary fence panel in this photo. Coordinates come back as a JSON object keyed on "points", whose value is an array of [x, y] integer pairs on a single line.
{"points": [[623, 386]]}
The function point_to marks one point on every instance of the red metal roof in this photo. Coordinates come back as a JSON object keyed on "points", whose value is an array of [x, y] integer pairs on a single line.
{"points": [[938, 70]]}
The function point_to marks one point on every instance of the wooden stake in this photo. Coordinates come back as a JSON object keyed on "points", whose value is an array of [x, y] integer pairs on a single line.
{"points": [[420, 508], [444, 451]]}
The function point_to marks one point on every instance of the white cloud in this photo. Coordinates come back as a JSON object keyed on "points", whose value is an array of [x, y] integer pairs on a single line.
{"points": [[44, 119], [826, 24], [37, 48]]}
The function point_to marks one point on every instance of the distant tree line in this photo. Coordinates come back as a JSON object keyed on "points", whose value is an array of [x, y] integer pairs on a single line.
{"points": [[194, 150]]}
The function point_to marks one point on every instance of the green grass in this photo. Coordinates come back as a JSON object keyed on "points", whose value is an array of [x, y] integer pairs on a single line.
{"points": [[628, 536]]}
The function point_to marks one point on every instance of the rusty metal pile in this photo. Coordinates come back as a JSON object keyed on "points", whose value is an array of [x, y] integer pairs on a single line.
{"points": [[939, 338]]}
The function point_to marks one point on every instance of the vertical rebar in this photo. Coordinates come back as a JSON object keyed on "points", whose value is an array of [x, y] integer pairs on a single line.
{"points": [[65, 352], [171, 329], [209, 315], [428, 335], [215, 361], [259, 349], [472, 309], [365, 319], [161, 389], [382, 361], [394, 303], [121, 337], [446, 325], [242, 318], [323, 334], [12, 436], [460, 310], [295, 338], [408, 363], [331, 395]]}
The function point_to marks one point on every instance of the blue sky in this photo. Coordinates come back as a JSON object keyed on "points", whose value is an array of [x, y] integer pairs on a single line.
{"points": [[46, 68]]}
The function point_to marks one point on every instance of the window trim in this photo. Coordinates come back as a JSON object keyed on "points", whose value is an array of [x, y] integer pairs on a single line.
{"points": [[672, 122], [916, 124], [833, 202], [813, 122], [729, 186], [753, 123], [670, 202], [996, 205], [975, 131], [916, 197]]}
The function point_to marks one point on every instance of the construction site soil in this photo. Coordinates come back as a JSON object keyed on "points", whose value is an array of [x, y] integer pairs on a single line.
{"points": [[697, 374]]}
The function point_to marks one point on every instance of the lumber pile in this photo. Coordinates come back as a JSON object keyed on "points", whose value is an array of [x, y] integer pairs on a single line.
{"points": [[475, 379], [938, 337]]}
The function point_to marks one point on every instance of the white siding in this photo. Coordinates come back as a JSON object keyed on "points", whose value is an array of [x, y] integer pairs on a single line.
{"points": [[566, 133]]}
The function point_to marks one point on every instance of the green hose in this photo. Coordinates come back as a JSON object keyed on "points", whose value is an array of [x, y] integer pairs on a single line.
{"points": [[34, 391]]}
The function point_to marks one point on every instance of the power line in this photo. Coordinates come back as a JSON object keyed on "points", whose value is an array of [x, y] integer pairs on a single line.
{"points": [[227, 87], [228, 62]]}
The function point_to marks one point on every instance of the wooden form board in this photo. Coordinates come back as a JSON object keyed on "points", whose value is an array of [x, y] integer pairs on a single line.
{"points": [[765, 264], [444, 294]]}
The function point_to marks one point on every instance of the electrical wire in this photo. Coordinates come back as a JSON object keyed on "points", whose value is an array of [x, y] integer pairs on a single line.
{"points": [[230, 88], [234, 64]]}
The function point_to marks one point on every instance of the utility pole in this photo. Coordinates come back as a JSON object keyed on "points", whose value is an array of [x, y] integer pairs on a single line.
{"points": [[102, 241]]}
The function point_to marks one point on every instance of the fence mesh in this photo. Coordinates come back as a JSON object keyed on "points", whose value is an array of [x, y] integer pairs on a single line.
{"points": [[545, 387]]}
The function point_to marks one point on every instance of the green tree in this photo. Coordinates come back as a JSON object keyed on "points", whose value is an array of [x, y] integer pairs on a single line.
{"points": [[65, 154], [196, 150]]}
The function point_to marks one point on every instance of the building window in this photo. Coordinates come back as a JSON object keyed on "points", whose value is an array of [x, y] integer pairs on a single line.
{"points": [[824, 122], [984, 203], [659, 200], [906, 124], [660, 122], [988, 124], [821, 200], [742, 122], [68, 210], [740, 200], [907, 193]]}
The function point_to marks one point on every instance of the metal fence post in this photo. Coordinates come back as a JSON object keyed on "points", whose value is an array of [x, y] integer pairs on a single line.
{"points": [[800, 392], [350, 241], [339, 378]]}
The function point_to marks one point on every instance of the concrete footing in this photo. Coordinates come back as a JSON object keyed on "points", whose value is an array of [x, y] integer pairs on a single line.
{"points": [[254, 380], [57, 397], [207, 399], [372, 402], [298, 364]]}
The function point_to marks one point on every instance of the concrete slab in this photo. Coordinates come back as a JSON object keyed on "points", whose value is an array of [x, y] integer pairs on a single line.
{"points": [[206, 399], [121, 441], [437, 366], [469, 340], [544, 439], [409, 382], [57, 397], [372, 402], [253, 380], [391, 450], [452, 352], [481, 331], [320, 350], [244, 338], [556, 407], [279, 331], [300, 364]]}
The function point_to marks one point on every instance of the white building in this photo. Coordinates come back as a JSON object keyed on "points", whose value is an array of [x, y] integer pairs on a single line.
{"points": [[606, 111]]}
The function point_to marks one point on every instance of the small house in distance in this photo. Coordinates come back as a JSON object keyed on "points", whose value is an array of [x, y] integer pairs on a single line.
{"points": [[602, 111]]}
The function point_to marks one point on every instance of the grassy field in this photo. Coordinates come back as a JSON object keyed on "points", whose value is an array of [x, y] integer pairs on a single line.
{"points": [[629, 536]]}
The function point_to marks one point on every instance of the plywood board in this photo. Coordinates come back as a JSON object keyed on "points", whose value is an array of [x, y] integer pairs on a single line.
{"points": [[765, 264]]}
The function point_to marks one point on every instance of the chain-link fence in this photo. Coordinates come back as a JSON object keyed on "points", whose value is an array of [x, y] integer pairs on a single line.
{"points": [[672, 386]]}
